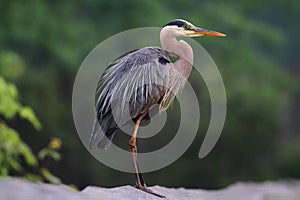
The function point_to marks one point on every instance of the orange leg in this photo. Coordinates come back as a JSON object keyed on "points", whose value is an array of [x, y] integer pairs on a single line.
{"points": [[140, 184]]}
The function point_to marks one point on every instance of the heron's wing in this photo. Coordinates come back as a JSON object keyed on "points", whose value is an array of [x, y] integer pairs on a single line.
{"points": [[103, 80], [131, 86]]}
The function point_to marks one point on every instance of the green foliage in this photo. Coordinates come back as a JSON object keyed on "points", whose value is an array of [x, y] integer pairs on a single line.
{"points": [[13, 150], [51, 150], [8, 104], [27, 113], [49, 176]]}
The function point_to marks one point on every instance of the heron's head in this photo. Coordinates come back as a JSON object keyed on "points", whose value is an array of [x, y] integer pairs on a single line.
{"points": [[181, 27]]}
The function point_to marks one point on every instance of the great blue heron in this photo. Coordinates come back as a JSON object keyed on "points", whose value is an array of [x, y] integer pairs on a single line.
{"points": [[142, 79]]}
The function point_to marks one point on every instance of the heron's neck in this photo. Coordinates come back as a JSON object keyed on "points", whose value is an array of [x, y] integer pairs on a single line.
{"points": [[181, 48]]}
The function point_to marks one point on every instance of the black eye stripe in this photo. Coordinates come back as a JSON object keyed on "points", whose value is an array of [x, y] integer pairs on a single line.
{"points": [[178, 23]]}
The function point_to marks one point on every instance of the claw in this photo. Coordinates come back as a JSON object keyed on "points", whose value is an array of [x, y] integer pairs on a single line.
{"points": [[145, 189]]}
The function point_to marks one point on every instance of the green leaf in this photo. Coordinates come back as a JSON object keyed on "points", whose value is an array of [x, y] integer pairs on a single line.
{"points": [[33, 177], [14, 163], [8, 104], [43, 153], [28, 114], [49, 176], [3, 171], [47, 152], [13, 148]]}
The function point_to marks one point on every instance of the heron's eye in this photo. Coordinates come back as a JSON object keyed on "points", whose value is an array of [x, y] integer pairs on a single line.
{"points": [[187, 27]]}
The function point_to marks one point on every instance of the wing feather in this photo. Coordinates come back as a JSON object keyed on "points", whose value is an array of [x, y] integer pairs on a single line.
{"points": [[129, 87]]}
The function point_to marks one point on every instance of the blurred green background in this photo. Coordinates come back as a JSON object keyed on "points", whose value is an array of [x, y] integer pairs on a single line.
{"points": [[42, 44]]}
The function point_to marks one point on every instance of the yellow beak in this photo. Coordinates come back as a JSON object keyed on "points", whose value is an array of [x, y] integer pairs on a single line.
{"points": [[201, 31]]}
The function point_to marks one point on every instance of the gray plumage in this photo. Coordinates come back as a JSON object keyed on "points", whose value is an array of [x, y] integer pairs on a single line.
{"points": [[133, 84]]}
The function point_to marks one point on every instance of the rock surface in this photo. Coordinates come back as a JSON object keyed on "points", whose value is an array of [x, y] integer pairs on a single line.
{"points": [[19, 189]]}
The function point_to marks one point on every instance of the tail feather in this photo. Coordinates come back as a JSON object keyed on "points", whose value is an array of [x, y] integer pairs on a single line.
{"points": [[105, 142], [103, 131]]}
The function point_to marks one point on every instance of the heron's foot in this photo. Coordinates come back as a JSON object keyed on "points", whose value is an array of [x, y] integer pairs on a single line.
{"points": [[145, 189]]}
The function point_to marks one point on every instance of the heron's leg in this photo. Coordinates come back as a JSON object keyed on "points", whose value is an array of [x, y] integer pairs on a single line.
{"points": [[140, 183], [133, 148]]}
